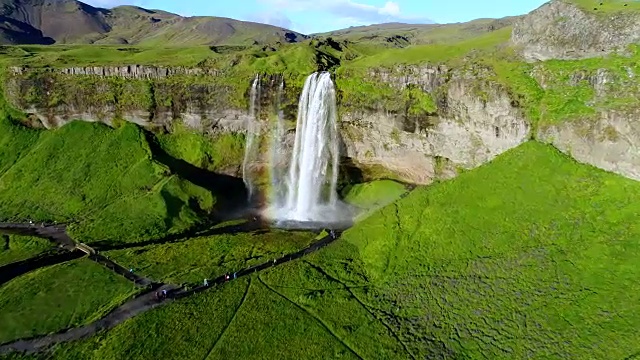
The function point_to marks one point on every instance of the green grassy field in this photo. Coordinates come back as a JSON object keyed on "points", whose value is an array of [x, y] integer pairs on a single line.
{"points": [[102, 180], [58, 297], [206, 152], [606, 7], [373, 194], [195, 259], [15, 248], [531, 255]]}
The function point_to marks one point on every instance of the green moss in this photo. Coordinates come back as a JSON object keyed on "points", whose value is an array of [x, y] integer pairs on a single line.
{"points": [[611, 134], [373, 194], [204, 151]]}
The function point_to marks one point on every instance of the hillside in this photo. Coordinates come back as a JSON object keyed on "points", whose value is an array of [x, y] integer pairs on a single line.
{"points": [[400, 35], [530, 256], [74, 22]]}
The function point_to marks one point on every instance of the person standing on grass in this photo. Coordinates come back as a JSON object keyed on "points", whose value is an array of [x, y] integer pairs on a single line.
{"points": [[206, 283]]}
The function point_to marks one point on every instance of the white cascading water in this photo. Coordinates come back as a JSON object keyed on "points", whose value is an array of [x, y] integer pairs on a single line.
{"points": [[252, 129], [278, 151], [309, 193]]}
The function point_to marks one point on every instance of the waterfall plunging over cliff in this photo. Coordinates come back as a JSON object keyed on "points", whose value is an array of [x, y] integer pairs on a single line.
{"points": [[307, 190], [252, 129]]}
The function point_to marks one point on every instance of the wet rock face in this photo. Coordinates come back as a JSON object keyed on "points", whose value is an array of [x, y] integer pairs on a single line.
{"points": [[560, 30]]}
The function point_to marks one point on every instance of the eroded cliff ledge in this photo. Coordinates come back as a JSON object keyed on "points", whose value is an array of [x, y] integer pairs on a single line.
{"points": [[418, 123], [430, 122]]}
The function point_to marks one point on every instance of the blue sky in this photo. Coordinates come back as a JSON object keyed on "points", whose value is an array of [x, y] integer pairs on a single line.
{"points": [[310, 16]]}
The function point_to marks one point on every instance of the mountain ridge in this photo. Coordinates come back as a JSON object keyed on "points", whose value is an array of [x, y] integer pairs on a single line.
{"points": [[74, 22]]}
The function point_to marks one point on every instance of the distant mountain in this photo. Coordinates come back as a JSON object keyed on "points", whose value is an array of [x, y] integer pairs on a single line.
{"points": [[399, 34], [71, 21]]}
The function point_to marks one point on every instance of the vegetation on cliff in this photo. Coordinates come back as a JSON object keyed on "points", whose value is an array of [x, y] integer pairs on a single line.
{"points": [[531, 255]]}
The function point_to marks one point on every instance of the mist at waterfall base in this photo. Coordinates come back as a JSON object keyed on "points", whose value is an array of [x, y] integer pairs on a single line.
{"points": [[304, 178]]}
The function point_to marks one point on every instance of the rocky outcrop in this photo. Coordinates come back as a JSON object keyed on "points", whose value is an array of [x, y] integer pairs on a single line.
{"points": [[473, 121], [563, 30], [468, 129], [610, 142]]}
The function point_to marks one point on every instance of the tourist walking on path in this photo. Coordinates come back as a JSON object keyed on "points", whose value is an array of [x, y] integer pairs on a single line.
{"points": [[206, 283]]}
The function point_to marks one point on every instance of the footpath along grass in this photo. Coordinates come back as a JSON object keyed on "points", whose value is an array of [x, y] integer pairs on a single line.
{"points": [[531, 255], [208, 257], [58, 297], [238, 320], [14, 248]]}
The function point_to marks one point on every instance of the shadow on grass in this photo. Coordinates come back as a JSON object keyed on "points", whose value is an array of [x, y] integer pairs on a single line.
{"points": [[230, 192]]}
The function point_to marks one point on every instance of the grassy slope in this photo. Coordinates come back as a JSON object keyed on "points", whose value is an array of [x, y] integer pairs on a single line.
{"points": [[373, 194], [401, 35], [206, 152], [532, 255], [15, 248], [54, 298], [243, 319], [606, 7], [100, 179]]}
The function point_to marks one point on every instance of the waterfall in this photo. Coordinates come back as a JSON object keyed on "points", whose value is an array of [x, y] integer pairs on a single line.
{"points": [[309, 192], [252, 129], [278, 149]]}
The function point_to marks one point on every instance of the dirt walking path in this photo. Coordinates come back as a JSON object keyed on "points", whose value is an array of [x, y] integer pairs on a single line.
{"points": [[58, 235], [147, 301]]}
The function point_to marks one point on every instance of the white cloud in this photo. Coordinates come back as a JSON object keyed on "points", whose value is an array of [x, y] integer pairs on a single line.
{"points": [[272, 18], [351, 11], [390, 8]]}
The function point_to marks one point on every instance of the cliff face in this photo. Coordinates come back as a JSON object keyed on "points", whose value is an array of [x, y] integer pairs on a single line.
{"points": [[470, 125], [474, 121], [429, 123], [562, 30], [610, 142]]}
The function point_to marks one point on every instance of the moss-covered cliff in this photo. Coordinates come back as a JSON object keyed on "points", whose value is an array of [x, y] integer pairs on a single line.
{"points": [[420, 113]]}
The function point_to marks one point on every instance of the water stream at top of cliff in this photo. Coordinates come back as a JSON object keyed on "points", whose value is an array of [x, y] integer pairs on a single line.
{"points": [[250, 152]]}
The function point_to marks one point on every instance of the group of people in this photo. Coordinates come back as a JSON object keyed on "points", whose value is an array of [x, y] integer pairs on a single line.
{"points": [[161, 295]]}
